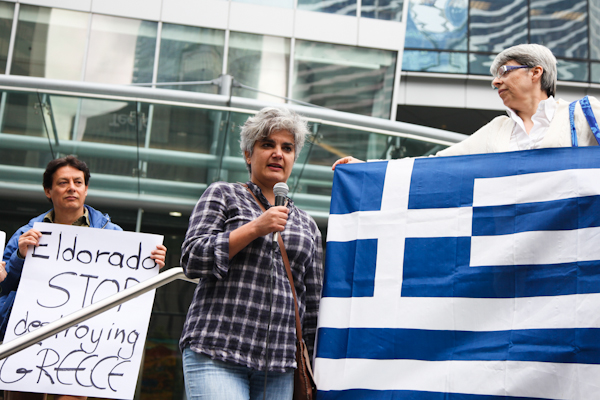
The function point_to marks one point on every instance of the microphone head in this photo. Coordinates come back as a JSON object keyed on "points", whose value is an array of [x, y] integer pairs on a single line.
{"points": [[281, 189]]}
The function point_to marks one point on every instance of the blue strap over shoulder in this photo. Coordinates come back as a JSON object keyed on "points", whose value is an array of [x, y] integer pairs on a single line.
{"points": [[572, 119], [589, 115]]}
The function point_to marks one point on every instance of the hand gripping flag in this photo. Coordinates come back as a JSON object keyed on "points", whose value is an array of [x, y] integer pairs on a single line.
{"points": [[472, 277]]}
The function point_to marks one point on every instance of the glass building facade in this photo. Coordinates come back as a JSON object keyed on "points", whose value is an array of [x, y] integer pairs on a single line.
{"points": [[448, 36], [63, 44], [378, 9], [463, 37]]}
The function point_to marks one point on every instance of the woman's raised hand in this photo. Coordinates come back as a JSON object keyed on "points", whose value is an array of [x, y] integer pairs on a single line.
{"points": [[346, 160]]}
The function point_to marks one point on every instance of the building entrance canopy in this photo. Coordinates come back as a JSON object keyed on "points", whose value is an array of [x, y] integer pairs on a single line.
{"points": [[158, 149]]}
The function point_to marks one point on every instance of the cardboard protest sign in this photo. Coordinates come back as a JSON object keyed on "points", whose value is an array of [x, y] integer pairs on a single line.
{"points": [[72, 268]]}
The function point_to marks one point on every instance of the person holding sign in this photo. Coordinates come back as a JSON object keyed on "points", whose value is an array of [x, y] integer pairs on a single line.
{"points": [[239, 325], [525, 77], [65, 184]]}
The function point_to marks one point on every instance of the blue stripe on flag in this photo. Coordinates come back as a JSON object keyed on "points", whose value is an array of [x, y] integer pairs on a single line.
{"points": [[363, 188], [540, 345], [350, 268], [566, 214], [439, 267], [447, 182], [442, 182], [364, 394]]}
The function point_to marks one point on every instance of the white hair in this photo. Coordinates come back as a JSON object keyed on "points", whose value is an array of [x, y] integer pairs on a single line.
{"points": [[531, 55], [269, 120]]}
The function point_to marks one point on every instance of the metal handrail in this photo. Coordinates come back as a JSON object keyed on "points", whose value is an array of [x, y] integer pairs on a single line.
{"points": [[228, 103], [22, 342]]}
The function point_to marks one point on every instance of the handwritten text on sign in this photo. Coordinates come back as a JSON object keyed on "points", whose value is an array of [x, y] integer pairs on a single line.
{"points": [[72, 268]]}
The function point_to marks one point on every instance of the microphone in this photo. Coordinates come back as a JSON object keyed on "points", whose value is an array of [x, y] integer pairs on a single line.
{"points": [[280, 190]]}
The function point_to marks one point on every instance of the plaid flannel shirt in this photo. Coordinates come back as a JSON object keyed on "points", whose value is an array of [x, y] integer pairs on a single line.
{"points": [[228, 317]]}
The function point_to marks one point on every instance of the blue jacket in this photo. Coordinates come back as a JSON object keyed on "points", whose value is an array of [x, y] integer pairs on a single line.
{"points": [[14, 264]]}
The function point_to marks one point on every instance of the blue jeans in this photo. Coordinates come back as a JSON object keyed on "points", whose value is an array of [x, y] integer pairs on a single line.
{"points": [[210, 379]]}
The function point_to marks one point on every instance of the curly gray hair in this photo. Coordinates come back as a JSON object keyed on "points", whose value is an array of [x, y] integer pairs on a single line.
{"points": [[269, 120], [531, 55]]}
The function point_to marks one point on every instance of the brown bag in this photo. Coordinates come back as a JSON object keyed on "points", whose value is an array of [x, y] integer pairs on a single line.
{"points": [[304, 381]]}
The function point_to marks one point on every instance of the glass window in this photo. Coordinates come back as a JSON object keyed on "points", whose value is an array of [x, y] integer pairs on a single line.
{"points": [[594, 13], [106, 121], [189, 54], [116, 128], [561, 25], [24, 116], [33, 114], [261, 62], [271, 3], [333, 142], [572, 70], [497, 25], [480, 64], [6, 18], [39, 114], [440, 25], [344, 78], [595, 67], [50, 43], [121, 50], [186, 129], [344, 7], [434, 61], [390, 10]]}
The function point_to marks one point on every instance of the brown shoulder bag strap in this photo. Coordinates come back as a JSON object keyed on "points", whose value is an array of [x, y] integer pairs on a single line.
{"points": [[288, 269]]}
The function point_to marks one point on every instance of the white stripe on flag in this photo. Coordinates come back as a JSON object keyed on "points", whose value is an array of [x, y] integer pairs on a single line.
{"points": [[531, 188], [436, 222], [461, 314], [439, 222], [536, 248], [362, 224], [473, 377]]}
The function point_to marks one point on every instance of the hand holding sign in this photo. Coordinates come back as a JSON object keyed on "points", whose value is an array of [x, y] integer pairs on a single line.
{"points": [[71, 268], [29, 238]]}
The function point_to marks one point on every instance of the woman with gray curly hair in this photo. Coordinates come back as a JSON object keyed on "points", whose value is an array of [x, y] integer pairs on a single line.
{"points": [[272, 119], [241, 323], [525, 78]]}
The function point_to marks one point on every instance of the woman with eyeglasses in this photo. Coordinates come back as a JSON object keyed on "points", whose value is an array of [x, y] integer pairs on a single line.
{"points": [[525, 78]]}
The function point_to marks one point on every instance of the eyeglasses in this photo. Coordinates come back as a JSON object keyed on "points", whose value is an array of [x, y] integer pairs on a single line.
{"points": [[507, 68]]}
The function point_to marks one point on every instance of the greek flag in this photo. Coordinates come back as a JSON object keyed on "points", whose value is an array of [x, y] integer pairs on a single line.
{"points": [[472, 277]]}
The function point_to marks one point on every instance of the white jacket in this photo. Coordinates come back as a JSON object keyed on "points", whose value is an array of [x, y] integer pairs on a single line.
{"points": [[494, 137]]}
